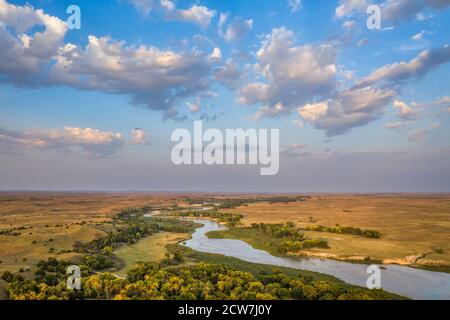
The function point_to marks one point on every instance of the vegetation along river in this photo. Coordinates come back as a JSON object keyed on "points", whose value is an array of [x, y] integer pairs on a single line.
{"points": [[405, 281]]}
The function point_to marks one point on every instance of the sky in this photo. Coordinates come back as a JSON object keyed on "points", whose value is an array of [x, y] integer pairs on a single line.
{"points": [[358, 109]]}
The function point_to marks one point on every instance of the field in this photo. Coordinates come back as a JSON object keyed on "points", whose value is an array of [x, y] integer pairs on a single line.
{"points": [[150, 249], [35, 226], [415, 229], [53, 221]]}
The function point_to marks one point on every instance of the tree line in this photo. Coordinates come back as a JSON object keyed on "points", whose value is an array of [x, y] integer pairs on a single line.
{"points": [[151, 281], [366, 233]]}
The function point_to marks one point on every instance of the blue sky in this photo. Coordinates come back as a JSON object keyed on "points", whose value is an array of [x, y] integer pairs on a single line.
{"points": [[93, 109]]}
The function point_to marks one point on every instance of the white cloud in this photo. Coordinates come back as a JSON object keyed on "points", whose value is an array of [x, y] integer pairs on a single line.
{"points": [[199, 15], [145, 6], [347, 109], [395, 11], [23, 53], [229, 74], [71, 140], [292, 74], [437, 103], [312, 112], [155, 78], [272, 112], [404, 111], [294, 5], [348, 7], [401, 10], [234, 30], [196, 14], [152, 77], [138, 137], [397, 73], [418, 36]]}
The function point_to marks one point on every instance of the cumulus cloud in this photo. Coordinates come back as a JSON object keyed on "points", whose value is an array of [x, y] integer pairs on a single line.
{"points": [[442, 102], [71, 140], [411, 112], [397, 73], [312, 112], [304, 78], [404, 111], [348, 7], [234, 30], [272, 112], [199, 15], [292, 74], [196, 14], [229, 74], [139, 136], [152, 77], [346, 110], [24, 53], [395, 11], [401, 10]]}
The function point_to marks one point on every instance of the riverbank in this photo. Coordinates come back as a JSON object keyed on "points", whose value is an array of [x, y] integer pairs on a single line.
{"points": [[263, 241], [405, 281]]}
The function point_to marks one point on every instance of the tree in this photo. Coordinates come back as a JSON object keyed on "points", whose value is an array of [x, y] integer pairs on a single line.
{"points": [[7, 276]]}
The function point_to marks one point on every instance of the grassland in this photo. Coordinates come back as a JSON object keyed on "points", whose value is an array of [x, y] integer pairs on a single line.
{"points": [[149, 249], [35, 226], [53, 221], [414, 228], [255, 238]]}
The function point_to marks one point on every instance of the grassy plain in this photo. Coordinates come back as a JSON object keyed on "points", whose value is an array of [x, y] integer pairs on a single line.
{"points": [[413, 226], [56, 220], [149, 249]]}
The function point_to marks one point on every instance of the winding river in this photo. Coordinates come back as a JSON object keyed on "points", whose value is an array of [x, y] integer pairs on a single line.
{"points": [[405, 281]]}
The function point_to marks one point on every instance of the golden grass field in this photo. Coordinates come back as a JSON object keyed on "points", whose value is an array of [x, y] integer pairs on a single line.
{"points": [[149, 249], [54, 220], [411, 225]]}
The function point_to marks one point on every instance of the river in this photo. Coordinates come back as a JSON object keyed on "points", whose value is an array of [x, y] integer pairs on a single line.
{"points": [[402, 280]]}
